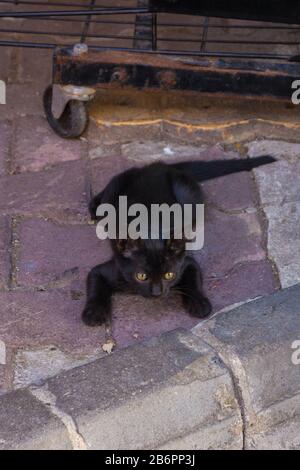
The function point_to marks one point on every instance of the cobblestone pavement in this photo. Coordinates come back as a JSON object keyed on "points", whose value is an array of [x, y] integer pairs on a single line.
{"points": [[47, 244]]}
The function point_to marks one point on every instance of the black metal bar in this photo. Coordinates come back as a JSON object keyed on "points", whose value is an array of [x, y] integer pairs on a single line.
{"points": [[64, 34], [143, 29], [163, 52], [178, 53], [77, 20], [38, 45], [53, 3], [204, 34], [96, 11], [154, 31], [186, 25], [87, 22], [233, 26], [108, 36], [231, 41]]}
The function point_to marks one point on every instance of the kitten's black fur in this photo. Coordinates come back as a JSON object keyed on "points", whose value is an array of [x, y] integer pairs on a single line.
{"points": [[156, 183]]}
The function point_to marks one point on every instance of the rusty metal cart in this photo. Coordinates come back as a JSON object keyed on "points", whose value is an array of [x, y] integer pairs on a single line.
{"points": [[213, 47]]}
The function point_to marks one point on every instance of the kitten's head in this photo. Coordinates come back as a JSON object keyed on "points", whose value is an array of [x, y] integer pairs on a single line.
{"points": [[152, 267]]}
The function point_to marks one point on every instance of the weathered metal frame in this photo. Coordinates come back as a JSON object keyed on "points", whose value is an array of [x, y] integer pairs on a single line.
{"points": [[111, 69], [144, 68], [78, 70]]}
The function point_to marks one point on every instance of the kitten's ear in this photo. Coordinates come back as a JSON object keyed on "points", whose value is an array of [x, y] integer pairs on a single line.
{"points": [[176, 246], [127, 247]]}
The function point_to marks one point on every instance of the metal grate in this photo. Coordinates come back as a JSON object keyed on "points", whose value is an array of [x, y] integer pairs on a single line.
{"points": [[128, 25]]}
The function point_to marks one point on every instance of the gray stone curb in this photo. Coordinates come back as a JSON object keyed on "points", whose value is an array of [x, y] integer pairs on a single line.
{"points": [[165, 392], [260, 343], [229, 384]]}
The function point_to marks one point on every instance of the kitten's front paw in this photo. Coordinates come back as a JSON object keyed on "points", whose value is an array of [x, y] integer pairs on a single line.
{"points": [[197, 306], [95, 314]]}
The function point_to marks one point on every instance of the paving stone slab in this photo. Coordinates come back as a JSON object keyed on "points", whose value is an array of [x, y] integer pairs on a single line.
{"points": [[27, 424], [279, 192], [284, 240], [284, 436], [43, 148], [3, 379], [229, 239], [32, 320], [5, 136], [136, 318], [279, 183], [278, 148], [231, 193], [59, 192], [149, 151], [256, 341], [111, 399], [5, 240], [220, 436], [22, 100], [243, 282], [51, 252]]}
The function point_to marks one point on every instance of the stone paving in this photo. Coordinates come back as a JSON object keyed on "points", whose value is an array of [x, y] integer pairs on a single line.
{"points": [[47, 244]]}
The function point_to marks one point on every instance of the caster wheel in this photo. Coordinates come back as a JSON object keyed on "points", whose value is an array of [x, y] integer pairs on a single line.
{"points": [[73, 121]]}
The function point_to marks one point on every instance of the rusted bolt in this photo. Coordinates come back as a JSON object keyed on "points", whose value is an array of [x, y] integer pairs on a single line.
{"points": [[167, 79], [80, 49], [119, 75]]}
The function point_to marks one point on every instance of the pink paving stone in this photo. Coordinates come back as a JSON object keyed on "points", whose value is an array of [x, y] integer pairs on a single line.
{"points": [[231, 192], [243, 282], [59, 192], [216, 152], [5, 235], [102, 170], [22, 100], [52, 252], [229, 240], [35, 319], [37, 146], [136, 318], [5, 131]]}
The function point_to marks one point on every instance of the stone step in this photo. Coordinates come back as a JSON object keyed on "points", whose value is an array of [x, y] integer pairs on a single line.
{"points": [[231, 383]]}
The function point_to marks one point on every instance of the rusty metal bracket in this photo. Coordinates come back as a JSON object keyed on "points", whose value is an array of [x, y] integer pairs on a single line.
{"points": [[62, 94], [110, 69]]}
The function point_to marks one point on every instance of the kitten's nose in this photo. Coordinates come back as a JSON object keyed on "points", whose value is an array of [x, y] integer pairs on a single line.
{"points": [[156, 290]]}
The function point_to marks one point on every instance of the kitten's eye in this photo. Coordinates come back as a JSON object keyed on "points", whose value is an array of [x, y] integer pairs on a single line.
{"points": [[169, 276], [141, 276]]}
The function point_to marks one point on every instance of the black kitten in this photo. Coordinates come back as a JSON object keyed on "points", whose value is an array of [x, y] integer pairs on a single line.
{"points": [[155, 267]]}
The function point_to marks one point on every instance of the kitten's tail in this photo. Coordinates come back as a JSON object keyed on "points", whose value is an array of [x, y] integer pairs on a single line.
{"points": [[203, 171]]}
